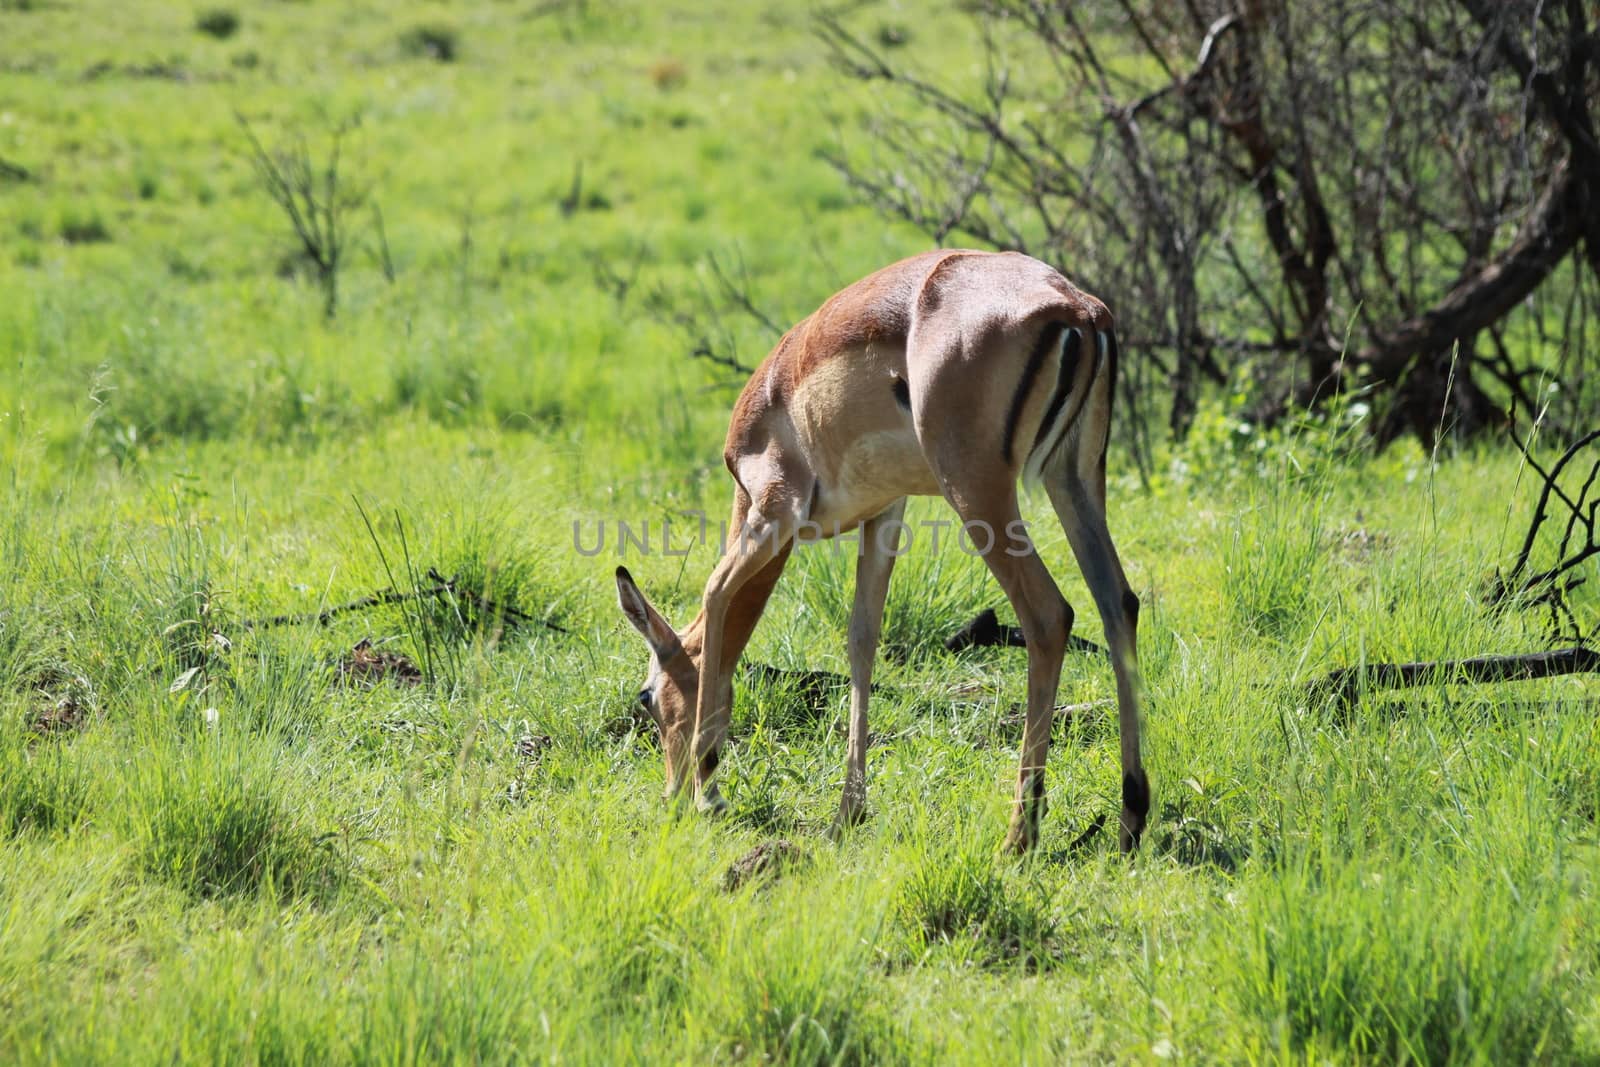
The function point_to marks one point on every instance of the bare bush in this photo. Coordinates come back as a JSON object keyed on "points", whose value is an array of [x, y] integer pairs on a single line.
{"points": [[1567, 496], [318, 200], [1400, 197]]}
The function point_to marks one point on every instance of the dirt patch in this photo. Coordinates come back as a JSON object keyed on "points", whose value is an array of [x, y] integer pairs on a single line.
{"points": [[61, 702], [530, 751], [1359, 544], [64, 714], [531, 748], [766, 862], [366, 666]]}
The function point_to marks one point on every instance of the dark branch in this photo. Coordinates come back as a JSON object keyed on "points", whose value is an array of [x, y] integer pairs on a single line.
{"points": [[441, 587], [985, 631], [1346, 683]]}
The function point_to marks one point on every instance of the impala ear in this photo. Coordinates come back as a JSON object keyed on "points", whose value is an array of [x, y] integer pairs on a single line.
{"points": [[646, 619]]}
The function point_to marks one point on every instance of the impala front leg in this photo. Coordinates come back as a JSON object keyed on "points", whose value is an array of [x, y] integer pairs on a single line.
{"points": [[879, 538], [758, 543]]}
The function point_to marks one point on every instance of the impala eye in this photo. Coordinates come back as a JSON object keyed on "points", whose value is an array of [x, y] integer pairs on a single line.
{"points": [[644, 698]]}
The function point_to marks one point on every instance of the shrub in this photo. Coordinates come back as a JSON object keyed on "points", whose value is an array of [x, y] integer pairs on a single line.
{"points": [[211, 816], [82, 228], [668, 74], [1273, 556], [41, 787], [317, 198], [431, 40], [1390, 968], [219, 22], [893, 34], [958, 898]]}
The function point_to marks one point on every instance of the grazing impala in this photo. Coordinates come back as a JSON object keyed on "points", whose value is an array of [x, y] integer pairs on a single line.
{"points": [[950, 373]]}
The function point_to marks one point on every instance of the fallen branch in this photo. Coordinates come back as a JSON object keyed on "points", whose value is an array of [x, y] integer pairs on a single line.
{"points": [[327, 615], [985, 631], [1081, 843], [1346, 683], [441, 586]]}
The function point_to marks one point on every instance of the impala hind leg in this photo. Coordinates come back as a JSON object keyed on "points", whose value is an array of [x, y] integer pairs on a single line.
{"points": [[1078, 497], [988, 513], [879, 538]]}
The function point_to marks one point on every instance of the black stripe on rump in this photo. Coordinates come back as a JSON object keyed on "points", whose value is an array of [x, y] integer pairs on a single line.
{"points": [[1111, 392], [1047, 340], [1069, 371]]}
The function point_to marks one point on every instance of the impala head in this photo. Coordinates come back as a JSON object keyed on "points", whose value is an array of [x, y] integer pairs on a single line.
{"points": [[671, 688]]}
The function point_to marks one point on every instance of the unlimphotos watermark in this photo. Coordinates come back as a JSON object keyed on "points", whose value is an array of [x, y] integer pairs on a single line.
{"points": [[669, 537]]}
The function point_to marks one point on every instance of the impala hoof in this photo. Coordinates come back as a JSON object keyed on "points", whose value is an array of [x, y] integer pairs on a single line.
{"points": [[848, 819], [1131, 831], [1135, 808], [1021, 838], [710, 803]]}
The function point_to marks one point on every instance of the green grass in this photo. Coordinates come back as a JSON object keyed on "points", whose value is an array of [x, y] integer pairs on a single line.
{"points": [[232, 854]]}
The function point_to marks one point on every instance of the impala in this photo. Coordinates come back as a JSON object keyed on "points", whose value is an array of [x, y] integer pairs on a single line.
{"points": [[950, 373]]}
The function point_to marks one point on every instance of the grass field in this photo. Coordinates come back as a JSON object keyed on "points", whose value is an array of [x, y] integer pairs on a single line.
{"points": [[224, 849]]}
